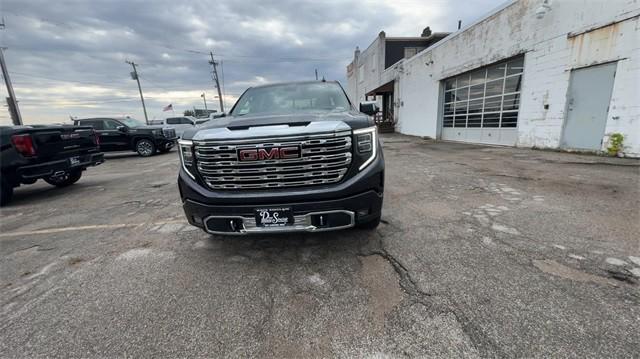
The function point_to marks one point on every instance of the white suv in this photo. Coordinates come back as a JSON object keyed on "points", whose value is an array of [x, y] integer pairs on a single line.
{"points": [[180, 124]]}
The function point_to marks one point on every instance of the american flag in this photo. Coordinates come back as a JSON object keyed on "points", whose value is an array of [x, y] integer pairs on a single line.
{"points": [[168, 108]]}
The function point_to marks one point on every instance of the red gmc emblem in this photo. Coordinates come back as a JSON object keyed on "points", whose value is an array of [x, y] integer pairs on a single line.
{"points": [[268, 153]]}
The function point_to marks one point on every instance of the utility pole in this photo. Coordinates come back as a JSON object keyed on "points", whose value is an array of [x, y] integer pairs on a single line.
{"points": [[134, 75], [14, 111], [204, 98], [16, 117], [214, 63]]}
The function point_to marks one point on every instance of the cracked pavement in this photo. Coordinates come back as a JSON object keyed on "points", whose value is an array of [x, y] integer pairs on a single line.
{"points": [[483, 252]]}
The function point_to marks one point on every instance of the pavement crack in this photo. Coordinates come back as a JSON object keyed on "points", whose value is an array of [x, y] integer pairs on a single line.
{"points": [[407, 283], [480, 341], [483, 343], [37, 247], [269, 305]]}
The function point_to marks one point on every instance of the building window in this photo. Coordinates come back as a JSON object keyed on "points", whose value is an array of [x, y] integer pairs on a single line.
{"points": [[411, 51], [486, 97]]}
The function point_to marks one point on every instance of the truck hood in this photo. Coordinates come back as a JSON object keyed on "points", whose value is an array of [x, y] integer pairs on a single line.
{"points": [[149, 127], [241, 127]]}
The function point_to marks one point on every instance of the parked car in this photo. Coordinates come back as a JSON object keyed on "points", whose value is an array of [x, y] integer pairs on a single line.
{"points": [[126, 133], [56, 153], [180, 124], [288, 157]]}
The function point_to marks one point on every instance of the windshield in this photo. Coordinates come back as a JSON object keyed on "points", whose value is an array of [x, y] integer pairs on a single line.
{"points": [[132, 122], [287, 98]]}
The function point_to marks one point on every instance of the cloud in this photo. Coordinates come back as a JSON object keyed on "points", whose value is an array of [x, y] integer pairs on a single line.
{"points": [[69, 58]]}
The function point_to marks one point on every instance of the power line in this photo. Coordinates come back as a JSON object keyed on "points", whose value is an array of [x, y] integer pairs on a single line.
{"points": [[64, 103], [64, 80], [201, 52], [154, 85]]}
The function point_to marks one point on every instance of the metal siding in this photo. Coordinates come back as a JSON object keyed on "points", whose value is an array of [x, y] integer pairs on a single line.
{"points": [[587, 106]]}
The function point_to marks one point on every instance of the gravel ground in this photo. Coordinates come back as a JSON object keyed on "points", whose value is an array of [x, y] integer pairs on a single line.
{"points": [[483, 252]]}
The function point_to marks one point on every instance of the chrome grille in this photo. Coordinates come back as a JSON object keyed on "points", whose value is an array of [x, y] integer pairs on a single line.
{"points": [[325, 158]]}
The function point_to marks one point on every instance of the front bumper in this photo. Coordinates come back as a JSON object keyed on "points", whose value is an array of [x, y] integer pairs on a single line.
{"points": [[47, 169], [166, 143], [310, 216], [316, 208]]}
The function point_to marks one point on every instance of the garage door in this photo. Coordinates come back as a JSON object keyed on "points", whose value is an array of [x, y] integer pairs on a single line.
{"points": [[481, 106]]}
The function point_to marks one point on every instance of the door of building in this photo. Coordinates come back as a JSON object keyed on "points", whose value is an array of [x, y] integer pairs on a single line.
{"points": [[588, 106]]}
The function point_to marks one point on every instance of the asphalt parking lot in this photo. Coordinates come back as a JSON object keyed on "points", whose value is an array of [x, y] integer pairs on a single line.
{"points": [[483, 252]]}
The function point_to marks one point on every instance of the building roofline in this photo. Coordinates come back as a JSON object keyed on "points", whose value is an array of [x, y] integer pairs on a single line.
{"points": [[453, 35], [417, 38], [449, 36], [400, 38]]}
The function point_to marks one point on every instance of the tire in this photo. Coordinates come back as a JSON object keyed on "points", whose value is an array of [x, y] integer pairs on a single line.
{"points": [[6, 190], [145, 148], [65, 180], [370, 225]]}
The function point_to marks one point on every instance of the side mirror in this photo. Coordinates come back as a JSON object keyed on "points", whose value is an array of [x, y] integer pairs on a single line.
{"points": [[122, 129], [369, 107]]}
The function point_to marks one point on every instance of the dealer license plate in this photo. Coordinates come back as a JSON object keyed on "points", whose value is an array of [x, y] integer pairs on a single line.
{"points": [[274, 217]]}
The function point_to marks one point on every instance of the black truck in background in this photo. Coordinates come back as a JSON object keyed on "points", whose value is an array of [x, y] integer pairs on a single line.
{"points": [[130, 134], [55, 153]]}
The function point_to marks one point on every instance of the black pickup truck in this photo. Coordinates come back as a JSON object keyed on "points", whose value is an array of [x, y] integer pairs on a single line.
{"points": [[129, 134], [292, 157], [56, 153]]}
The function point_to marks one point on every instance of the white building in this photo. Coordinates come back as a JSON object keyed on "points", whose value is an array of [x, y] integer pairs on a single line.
{"points": [[532, 73]]}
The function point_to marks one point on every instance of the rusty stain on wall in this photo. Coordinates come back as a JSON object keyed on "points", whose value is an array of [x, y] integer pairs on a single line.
{"points": [[595, 46]]}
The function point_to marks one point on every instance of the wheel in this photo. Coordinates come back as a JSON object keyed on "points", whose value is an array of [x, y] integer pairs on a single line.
{"points": [[145, 148], [371, 224], [67, 179], [6, 190]]}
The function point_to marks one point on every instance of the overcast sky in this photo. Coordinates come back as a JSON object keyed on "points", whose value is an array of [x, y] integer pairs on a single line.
{"points": [[68, 57]]}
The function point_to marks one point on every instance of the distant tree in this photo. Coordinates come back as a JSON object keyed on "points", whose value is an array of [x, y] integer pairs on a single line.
{"points": [[189, 113]]}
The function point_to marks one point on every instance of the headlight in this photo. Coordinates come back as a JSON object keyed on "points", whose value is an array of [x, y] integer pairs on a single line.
{"points": [[185, 148], [366, 144], [156, 133]]}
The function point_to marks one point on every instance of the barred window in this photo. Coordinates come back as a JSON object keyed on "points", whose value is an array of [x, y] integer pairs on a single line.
{"points": [[486, 97]]}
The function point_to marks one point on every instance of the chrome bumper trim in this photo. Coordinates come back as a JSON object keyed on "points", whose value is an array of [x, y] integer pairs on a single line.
{"points": [[302, 223]]}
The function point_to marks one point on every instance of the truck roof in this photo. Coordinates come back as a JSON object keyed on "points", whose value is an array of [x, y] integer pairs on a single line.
{"points": [[101, 117], [294, 83]]}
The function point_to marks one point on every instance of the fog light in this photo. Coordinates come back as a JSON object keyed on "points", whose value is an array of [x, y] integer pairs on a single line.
{"points": [[197, 220], [363, 212]]}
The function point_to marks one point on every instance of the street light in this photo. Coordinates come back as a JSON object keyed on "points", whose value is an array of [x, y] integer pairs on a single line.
{"points": [[204, 98]]}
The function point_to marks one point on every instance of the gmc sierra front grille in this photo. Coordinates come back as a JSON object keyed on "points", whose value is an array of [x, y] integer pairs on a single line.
{"points": [[323, 159]]}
